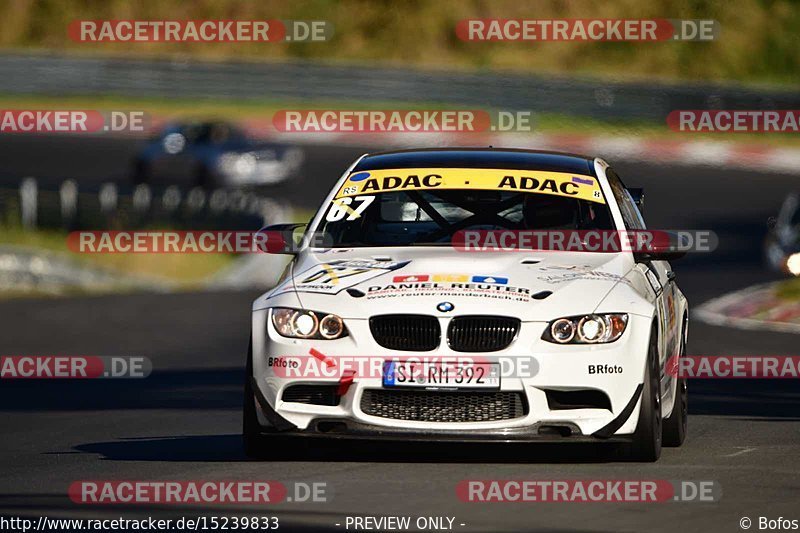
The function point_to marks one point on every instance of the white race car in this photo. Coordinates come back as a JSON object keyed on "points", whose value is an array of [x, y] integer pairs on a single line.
{"points": [[385, 325]]}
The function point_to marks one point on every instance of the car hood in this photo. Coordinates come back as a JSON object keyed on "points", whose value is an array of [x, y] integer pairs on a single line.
{"points": [[364, 282]]}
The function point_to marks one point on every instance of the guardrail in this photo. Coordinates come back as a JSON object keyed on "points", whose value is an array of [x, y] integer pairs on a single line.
{"points": [[195, 209], [67, 75]]}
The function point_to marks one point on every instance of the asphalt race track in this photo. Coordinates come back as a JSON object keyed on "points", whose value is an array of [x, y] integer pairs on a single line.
{"points": [[183, 422]]}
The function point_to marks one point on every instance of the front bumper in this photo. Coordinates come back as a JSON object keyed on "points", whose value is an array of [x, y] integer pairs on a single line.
{"points": [[560, 368], [344, 428]]}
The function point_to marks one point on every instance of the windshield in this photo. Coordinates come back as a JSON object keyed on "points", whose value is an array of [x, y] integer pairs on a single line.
{"points": [[416, 212]]}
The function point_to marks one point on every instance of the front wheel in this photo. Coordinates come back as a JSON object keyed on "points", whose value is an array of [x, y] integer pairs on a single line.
{"points": [[256, 444], [251, 430], [646, 445], [675, 427]]}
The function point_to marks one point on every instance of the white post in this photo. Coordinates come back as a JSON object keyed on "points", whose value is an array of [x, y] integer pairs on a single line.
{"points": [[68, 194], [28, 194]]}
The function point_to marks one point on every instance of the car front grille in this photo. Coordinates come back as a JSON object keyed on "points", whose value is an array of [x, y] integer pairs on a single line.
{"points": [[312, 394], [406, 332], [481, 333], [431, 406]]}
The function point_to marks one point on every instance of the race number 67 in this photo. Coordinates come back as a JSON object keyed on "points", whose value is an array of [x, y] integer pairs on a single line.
{"points": [[342, 206]]}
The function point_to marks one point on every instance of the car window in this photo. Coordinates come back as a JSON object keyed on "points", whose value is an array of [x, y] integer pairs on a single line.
{"points": [[631, 215], [218, 133], [428, 217]]}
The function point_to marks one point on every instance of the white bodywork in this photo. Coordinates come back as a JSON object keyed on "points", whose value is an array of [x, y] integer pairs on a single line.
{"points": [[581, 283]]}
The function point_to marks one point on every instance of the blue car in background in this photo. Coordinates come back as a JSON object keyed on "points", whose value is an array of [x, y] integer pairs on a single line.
{"points": [[782, 245], [213, 155]]}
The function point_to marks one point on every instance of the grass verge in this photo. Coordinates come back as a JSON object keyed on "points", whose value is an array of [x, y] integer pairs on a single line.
{"points": [[263, 110], [789, 289]]}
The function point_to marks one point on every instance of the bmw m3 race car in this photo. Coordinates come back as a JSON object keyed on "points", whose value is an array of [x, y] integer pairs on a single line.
{"points": [[385, 325]]}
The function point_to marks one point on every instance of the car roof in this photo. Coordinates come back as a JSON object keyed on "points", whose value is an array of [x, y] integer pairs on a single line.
{"points": [[510, 158]]}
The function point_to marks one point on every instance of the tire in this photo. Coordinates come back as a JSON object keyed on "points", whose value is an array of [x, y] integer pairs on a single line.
{"points": [[257, 444], [251, 429], [646, 445], [676, 426]]}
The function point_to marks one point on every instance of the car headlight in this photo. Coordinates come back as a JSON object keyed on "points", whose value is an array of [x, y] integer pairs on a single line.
{"points": [[304, 324], [238, 164], [586, 329], [793, 264]]}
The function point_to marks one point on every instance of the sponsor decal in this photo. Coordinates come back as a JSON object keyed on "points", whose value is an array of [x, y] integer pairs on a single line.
{"points": [[529, 181], [605, 369], [446, 288], [655, 284], [490, 279], [411, 278], [561, 274], [450, 277], [281, 362], [335, 276], [672, 317], [359, 176], [583, 181], [348, 207]]}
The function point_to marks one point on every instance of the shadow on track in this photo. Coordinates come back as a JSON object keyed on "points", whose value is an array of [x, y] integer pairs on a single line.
{"points": [[221, 388], [774, 399], [195, 389], [227, 448]]}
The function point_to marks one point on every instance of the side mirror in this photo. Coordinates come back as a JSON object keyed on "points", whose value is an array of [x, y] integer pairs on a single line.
{"points": [[281, 238], [637, 194], [671, 255]]}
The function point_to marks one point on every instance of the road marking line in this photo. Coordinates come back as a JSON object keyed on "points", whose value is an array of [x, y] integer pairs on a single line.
{"points": [[742, 451]]}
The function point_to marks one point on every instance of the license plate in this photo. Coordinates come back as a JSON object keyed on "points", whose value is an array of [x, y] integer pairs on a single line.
{"points": [[437, 375]]}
